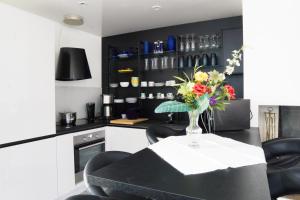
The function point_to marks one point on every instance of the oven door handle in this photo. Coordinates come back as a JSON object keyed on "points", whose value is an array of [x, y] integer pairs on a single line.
{"points": [[86, 144], [91, 145]]}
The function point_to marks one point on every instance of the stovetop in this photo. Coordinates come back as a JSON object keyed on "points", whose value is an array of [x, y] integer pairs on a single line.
{"points": [[81, 125]]}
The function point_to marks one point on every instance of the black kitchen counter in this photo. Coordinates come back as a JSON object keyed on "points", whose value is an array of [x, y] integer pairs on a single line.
{"points": [[83, 125]]}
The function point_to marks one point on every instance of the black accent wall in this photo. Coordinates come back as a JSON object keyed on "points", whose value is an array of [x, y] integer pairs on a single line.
{"points": [[232, 38]]}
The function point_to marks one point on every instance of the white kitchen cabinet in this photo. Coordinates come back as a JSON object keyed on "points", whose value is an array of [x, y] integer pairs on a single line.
{"points": [[65, 161], [27, 83], [28, 171], [125, 139]]}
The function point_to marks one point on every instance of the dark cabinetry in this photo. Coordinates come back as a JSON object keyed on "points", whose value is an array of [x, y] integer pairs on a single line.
{"points": [[230, 30]]}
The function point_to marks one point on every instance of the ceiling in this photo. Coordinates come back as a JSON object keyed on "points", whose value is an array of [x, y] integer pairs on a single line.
{"points": [[111, 17]]}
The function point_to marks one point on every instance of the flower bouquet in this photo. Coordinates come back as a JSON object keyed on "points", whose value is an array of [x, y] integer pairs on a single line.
{"points": [[202, 91]]}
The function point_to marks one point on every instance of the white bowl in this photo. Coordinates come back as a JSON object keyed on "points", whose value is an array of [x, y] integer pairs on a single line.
{"points": [[113, 85], [151, 84], [124, 84], [144, 84], [159, 84], [118, 100], [131, 99]]}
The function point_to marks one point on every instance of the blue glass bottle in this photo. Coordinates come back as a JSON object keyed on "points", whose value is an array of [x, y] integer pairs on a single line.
{"points": [[146, 47], [171, 43]]}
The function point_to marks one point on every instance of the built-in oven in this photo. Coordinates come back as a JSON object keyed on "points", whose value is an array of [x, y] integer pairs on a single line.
{"points": [[87, 146]]}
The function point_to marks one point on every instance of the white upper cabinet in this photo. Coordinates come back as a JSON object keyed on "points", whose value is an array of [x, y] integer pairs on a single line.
{"points": [[27, 82]]}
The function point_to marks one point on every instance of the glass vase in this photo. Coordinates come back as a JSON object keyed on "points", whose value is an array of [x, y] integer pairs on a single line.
{"points": [[193, 127]]}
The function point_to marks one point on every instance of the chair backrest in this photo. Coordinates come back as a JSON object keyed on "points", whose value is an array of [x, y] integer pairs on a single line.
{"points": [[99, 161], [154, 132], [284, 182], [86, 197], [281, 146]]}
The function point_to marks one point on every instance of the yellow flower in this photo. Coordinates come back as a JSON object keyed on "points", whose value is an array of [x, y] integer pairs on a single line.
{"points": [[201, 76], [190, 86], [183, 89]]}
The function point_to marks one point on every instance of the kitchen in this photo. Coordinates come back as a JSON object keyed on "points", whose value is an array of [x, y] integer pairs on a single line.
{"points": [[41, 153]]}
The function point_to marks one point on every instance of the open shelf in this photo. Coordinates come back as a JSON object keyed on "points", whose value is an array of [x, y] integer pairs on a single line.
{"points": [[135, 45]]}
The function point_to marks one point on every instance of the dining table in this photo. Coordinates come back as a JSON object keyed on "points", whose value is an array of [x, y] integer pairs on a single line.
{"points": [[147, 175]]}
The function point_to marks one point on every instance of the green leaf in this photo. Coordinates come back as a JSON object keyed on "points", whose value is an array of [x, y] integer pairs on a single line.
{"points": [[203, 103], [172, 106], [187, 77], [179, 78], [220, 106]]}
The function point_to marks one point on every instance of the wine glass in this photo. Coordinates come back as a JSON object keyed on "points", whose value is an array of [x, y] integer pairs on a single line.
{"points": [[201, 42], [206, 41], [187, 44], [181, 44], [146, 64], [193, 45], [213, 41], [219, 40]]}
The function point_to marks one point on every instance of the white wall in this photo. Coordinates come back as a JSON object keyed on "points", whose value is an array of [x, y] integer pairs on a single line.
{"points": [[271, 60], [27, 62], [74, 99], [30, 40], [73, 95]]}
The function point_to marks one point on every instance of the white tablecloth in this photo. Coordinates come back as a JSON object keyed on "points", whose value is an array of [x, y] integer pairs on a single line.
{"points": [[201, 153]]}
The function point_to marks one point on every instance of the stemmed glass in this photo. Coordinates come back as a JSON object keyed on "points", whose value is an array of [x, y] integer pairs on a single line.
{"points": [[213, 41], [187, 44], [206, 41], [219, 40], [193, 44], [181, 44], [201, 42]]}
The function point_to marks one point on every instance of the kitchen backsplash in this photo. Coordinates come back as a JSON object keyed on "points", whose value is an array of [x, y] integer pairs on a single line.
{"points": [[74, 99]]}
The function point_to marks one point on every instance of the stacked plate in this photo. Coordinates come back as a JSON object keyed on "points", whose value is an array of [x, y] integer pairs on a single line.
{"points": [[114, 85], [118, 100], [131, 99], [159, 84]]}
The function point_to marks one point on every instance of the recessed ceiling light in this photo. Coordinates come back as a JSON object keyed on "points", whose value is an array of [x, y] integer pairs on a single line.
{"points": [[82, 2], [74, 20], [156, 7]]}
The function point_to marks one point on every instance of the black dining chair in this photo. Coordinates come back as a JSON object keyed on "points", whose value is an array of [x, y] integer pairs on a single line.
{"points": [[99, 161], [153, 132], [283, 162], [88, 197]]}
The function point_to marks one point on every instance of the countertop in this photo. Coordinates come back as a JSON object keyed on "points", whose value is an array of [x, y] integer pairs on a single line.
{"points": [[83, 124]]}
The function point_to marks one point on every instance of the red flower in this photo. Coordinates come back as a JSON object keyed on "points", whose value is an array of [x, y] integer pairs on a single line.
{"points": [[230, 90], [199, 89]]}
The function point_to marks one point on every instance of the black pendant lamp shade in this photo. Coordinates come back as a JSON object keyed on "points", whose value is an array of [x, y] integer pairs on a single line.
{"points": [[72, 65]]}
